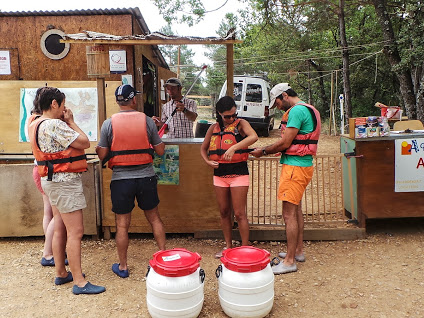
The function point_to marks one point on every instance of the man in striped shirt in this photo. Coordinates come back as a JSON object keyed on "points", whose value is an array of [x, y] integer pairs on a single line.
{"points": [[181, 124]]}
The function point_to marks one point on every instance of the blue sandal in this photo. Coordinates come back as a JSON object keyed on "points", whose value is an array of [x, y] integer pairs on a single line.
{"points": [[88, 289], [65, 280], [121, 273]]}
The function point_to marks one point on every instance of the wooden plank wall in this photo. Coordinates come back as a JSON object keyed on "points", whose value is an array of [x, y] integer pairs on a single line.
{"points": [[21, 204], [9, 110], [185, 208], [23, 39]]}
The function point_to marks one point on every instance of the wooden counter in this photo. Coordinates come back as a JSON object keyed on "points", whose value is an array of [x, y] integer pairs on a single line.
{"points": [[21, 204], [187, 207], [369, 180]]}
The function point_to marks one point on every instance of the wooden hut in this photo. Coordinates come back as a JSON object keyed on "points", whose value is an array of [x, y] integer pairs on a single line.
{"points": [[31, 56]]}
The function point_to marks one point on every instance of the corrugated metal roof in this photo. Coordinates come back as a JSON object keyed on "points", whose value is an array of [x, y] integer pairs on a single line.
{"points": [[97, 36], [112, 11]]}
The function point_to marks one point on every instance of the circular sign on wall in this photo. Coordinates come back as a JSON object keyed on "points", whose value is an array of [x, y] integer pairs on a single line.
{"points": [[51, 46]]}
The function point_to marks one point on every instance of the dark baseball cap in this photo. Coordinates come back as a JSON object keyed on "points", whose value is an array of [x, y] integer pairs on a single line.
{"points": [[125, 92]]}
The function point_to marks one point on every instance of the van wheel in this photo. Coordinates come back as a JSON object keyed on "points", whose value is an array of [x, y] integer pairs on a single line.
{"points": [[265, 132], [271, 126]]}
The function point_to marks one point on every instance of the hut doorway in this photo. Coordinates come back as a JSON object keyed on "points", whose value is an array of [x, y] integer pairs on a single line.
{"points": [[149, 88]]}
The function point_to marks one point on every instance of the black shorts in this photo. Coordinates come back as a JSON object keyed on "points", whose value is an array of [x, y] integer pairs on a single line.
{"points": [[123, 192]]}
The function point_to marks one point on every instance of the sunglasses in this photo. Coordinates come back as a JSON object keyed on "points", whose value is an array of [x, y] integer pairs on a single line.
{"points": [[229, 116]]}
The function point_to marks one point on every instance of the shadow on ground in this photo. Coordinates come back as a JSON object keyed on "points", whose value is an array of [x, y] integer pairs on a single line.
{"points": [[395, 226]]}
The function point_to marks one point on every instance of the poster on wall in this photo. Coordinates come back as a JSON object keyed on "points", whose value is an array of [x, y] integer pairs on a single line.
{"points": [[409, 165], [167, 167], [5, 63], [118, 61], [82, 102], [127, 80]]}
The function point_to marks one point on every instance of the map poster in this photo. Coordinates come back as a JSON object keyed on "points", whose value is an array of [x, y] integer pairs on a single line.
{"points": [[409, 165], [167, 167], [82, 102]]}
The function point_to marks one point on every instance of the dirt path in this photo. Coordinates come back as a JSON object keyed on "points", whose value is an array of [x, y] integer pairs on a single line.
{"points": [[380, 276]]}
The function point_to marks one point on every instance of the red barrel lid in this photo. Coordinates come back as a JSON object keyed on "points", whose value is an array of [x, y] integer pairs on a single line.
{"points": [[175, 263], [245, 259]]}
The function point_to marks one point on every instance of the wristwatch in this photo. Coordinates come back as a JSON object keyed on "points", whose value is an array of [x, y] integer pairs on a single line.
{"points": [[184, 110], [264, 152]]}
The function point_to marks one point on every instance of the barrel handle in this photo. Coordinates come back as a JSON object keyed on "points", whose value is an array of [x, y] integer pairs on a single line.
{"points": [[218, 271], [148, 270], [202, 275]]}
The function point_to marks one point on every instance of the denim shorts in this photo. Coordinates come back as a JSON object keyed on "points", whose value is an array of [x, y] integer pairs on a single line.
{"points": [[125, 191]]}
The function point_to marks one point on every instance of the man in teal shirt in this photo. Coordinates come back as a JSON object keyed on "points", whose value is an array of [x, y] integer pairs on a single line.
{"points": [[301, 126]]}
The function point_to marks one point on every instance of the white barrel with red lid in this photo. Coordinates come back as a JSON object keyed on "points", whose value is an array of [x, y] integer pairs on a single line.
{"points": [[175, 284], [246, 282]]}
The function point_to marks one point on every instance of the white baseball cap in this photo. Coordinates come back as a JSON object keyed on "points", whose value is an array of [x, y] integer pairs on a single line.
{"points": [[276, 91]]}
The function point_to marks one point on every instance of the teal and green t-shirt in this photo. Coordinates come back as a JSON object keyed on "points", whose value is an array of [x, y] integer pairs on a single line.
{"points": [[299, 117]]}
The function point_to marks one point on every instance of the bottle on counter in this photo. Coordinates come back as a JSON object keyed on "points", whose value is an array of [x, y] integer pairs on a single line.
{"points": [[373, 130], [383, 123]]}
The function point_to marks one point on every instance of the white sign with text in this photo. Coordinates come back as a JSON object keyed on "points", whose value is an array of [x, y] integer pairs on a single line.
{"points": [[409, 165], [118, 61], [5, 63]]}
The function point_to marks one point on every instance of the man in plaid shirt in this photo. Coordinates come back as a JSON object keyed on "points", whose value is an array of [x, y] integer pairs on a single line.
{"points": [[181, 124]]}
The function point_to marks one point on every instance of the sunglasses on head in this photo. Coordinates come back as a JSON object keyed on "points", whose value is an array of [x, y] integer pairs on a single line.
{"points": [[229, 116]]}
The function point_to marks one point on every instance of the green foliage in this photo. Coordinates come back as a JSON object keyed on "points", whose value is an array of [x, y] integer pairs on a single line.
{"points": [[297, 41]]}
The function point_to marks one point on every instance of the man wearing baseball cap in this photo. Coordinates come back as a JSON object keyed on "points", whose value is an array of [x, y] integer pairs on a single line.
{"points": [[300, 129], [181, 124], [128, 140]]}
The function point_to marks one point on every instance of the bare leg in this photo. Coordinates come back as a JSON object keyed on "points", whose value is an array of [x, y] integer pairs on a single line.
{"points": [[121, 237], [239, 201], [157, 226], [300, 224], [74, 226], [59, 243], [223, 197], [292, 230], [48, 228]]}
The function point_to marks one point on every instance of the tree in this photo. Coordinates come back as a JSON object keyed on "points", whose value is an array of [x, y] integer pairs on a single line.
{"points": [[180, 60], [410, 20]]}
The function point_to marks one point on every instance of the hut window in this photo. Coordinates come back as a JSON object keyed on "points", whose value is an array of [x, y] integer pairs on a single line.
{"points": [[51, 46]]}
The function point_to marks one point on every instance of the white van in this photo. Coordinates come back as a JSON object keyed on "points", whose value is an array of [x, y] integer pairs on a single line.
{"points": [[251, 94]]}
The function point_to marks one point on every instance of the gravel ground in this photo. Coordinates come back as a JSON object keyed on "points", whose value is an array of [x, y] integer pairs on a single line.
{"points": [[380, 276]]}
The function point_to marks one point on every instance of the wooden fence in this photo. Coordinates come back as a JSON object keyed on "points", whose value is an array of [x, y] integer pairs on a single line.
{"points": [[321, 204]]}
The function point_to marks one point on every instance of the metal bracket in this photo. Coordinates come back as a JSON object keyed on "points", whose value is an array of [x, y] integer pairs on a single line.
{"points": [[349, 155]]}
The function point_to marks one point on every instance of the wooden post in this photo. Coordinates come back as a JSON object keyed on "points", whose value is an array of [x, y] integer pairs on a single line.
{"points": [[179, 61], [331, 102], [230, 70], [101, 101]]}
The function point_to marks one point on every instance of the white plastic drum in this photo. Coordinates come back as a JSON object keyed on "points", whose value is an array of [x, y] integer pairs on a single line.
{"points": [[246, 282], [175, 284]]}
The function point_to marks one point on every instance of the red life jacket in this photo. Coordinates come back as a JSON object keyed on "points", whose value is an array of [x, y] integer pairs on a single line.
{"points": [[221, 141], [306, 144], [68, 160], [130, 142], [32, 118]]}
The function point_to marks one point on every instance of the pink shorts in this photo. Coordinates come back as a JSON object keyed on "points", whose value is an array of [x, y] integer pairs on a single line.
{"points": [[229, 182], [37, 179]]}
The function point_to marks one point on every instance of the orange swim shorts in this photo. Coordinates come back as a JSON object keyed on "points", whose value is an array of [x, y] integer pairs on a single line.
{"points": [[293, 182]]}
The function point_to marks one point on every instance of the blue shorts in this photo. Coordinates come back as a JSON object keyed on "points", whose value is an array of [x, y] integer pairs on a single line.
{"points": [[123, 192]]}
